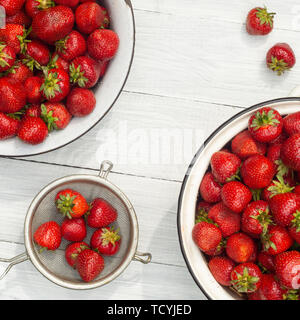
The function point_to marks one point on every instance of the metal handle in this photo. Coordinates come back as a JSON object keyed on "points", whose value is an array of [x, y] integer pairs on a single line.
{"points": [[12, 261], [139, 257], [105, 169]]}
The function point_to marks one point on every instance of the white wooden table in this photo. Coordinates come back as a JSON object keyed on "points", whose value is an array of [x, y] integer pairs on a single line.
{"points": [[194, 68]]}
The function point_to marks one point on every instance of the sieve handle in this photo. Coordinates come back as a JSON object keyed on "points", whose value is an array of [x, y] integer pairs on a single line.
{"points": [[12, 261], [105, 169], [144, 258]]}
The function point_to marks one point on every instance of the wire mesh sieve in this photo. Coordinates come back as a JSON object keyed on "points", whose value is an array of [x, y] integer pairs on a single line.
{"points": [[52, 264]]}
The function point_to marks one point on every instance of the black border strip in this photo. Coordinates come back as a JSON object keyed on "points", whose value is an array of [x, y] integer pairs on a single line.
{"points": [[259, 105], [128, 2]]}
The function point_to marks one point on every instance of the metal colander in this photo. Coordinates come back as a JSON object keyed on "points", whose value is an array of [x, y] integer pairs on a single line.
{"points": [[52, 264]]}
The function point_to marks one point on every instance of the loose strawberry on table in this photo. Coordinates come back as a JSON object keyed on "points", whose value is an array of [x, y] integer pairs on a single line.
{"points": [[260, 21]]}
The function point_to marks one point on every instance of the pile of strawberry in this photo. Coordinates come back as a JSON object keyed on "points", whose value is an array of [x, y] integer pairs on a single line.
{"points": [[52, 52], [248, 213], [86, 259]]}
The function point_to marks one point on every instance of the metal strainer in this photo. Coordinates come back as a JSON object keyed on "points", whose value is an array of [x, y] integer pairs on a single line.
{"points": [[52, 264]]}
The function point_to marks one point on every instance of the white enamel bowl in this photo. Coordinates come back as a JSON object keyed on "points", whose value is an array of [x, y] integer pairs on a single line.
{"points": [[195, 260], [107, 91]]}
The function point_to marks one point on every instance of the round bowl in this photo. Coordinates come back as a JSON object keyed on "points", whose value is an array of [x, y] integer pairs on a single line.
{"points": [[106, 92], [195, 260]]}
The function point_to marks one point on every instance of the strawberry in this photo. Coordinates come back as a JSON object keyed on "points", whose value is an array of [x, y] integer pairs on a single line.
{"points": [[276, 240], [257, 172], [73, 229], [8, 126], [265, 125], [276, 187], [246, 277], [287, 267], [68, 3], [53, 24], [55, 115], [221, 268], [290, 152], [84, 72], [254, 296], [7, 57], [81, 102], [225, 166], [256, 218], [12, 6], [37, 54], [240, 247], [280, 139], [89, 17], [236, 196], [33, 7], [19, 17], [15, 35], [33, 130], [210, 189], [291, 123], [33, 110], [280, 58], [259, 21], [32, 87], [13, 96], [101, 214], [56, 85], [266, 261], [106, 241], [71, 203], [297, 189], [203, 206], [294, 232], [89, 264], [103, 44], [19, 72], [57, 62], [72, 46], [270, 289], [73, 250], [48, 235], [206, 236], [244, 146]]}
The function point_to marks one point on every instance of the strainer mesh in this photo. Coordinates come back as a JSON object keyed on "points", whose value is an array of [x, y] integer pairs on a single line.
{"points": [[54, 261]]}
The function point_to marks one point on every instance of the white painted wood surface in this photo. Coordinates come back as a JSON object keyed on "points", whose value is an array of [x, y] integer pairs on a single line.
{"points": [[194, 68]]}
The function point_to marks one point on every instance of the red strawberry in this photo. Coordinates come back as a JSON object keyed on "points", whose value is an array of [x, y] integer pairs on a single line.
{"points": [[73, 250], [276, 187], [89, 264], [33, 7], [68, 3], [81, 102], [240, 247], [225, 166], [276, 240], [106, 241], [259, 21], [297, 189], [71, 203], [89, 17], [254, 296], [56, 85], [257, 172], [265, 125], [203, 206], [19, 72], [32, 87], [12, 6], [290, 152], [72, 46], [33, 130], [33, 111], [287, 266], [103, 44], [244, 146], [294, 233], [84, 72], [8, 126], [236, 196], [101, 214], [270, 289], [256, 218], [7, 57], [221, 268], [55, 115], [48, 235], [266, 261], [38, 52], [210, 190], [53, 24], [13, 96], [284, 208], [73, 229], [291, 123], [206, 236], [279, 139], [246, 277], [19, 17], [15, 36], [280, 58], [57, 62]]}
